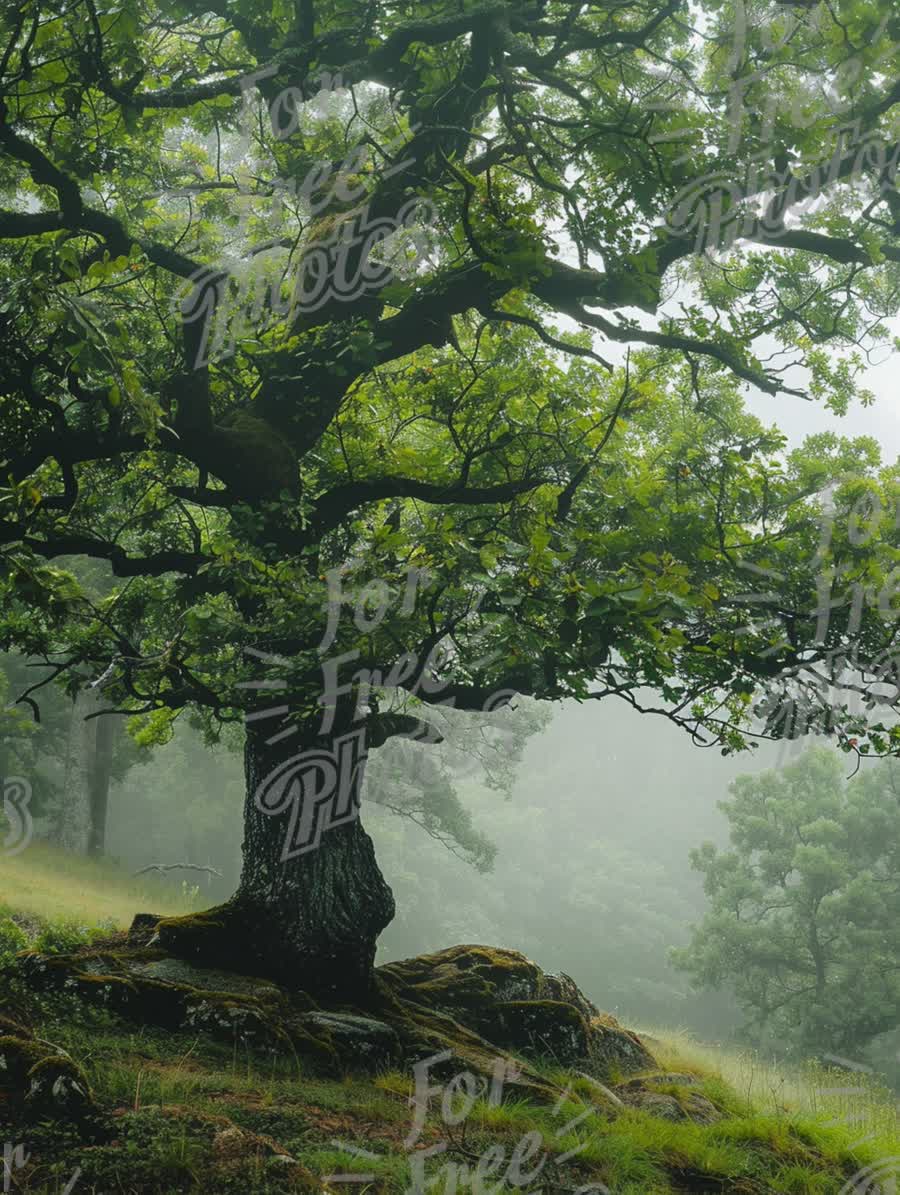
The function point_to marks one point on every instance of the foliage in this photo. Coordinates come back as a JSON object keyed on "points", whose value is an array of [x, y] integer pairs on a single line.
{"points": [[12, 939], [37, 749], [29, 749], [804, 912], [584, 524], [431, 784]]}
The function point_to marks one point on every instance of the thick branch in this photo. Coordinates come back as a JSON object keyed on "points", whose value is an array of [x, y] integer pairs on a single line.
{"points": [[337, 503], [123, 565]]}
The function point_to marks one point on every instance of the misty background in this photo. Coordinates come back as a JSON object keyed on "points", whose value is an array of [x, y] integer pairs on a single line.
{"points": [[591, 874]]}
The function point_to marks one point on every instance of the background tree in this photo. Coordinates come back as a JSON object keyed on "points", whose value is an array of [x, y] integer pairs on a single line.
{"points": [[804, 910], [584, 526], [75, 755]]}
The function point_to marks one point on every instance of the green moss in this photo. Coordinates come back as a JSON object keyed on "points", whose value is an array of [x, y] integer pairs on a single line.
{"points": [[120, 982], [540, 1027], [19, 1055], [550, 1010], [230, 937], [54, 1065], [37, 1080], [462, 974], [193, 927], [504, 997]]}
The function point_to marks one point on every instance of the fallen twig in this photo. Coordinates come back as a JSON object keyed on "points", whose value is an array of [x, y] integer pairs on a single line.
{"points": [[176, 866]]}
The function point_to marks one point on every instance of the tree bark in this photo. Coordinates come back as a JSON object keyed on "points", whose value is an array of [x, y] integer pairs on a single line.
{"points": [[310, 905]]}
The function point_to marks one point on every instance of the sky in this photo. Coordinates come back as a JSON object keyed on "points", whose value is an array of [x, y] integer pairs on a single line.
{"points": [[881, 420]]}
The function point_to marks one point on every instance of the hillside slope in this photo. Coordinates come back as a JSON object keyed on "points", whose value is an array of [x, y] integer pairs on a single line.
{"points": [[173, 1108]]}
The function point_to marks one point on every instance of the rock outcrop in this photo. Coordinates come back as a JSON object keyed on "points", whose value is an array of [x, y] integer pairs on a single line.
{"points": [[479, 1002], [508, 1000]]}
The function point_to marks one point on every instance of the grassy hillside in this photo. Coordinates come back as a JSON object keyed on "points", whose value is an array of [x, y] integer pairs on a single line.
{"points": [[48, 884], [824, 1094], [189, 1114]]}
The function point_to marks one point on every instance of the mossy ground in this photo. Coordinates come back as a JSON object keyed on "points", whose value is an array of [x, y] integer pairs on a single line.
{"points": [[171, 1099], [181, 1112], [169, 1094]]}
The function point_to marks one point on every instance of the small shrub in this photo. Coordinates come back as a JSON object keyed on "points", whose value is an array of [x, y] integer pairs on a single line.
{"points": [[61, 937], [12, 939]]}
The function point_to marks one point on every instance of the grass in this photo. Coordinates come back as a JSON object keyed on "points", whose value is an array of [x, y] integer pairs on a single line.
{"points": [[49, 884], [137, 1073], [171, 1095], [813, 1092]]}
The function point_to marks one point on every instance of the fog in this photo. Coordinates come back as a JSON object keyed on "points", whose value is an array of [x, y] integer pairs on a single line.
{"points": [[591, 874]]}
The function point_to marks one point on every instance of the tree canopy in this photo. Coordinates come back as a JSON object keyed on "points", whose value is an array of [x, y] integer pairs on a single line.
{"points": [[520, 380], [443, 421]]}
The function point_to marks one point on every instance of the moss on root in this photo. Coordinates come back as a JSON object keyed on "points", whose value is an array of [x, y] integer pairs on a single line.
{"points": [[37, 1079], [234, 937], [479, 1003]]}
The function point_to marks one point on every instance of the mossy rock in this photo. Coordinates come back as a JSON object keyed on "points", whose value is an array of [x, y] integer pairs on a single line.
{"points": [[358, 1042], [660, 1078], [137, 991], [39, 1080], [615, 1050], [654, 1094], [466, 978], [463, 978], [228, 1020], [451, 1046], [173, 970], [105, 981], [540, 1028], [687, 1106], [509, 1000]]}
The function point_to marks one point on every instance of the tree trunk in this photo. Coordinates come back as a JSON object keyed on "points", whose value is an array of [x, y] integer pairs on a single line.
{"points": [[311, 900], [82, 820], [99, 770], [73, 827]]}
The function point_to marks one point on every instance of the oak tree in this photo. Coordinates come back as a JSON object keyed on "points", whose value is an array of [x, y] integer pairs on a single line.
{"points": [[405, 300]]}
